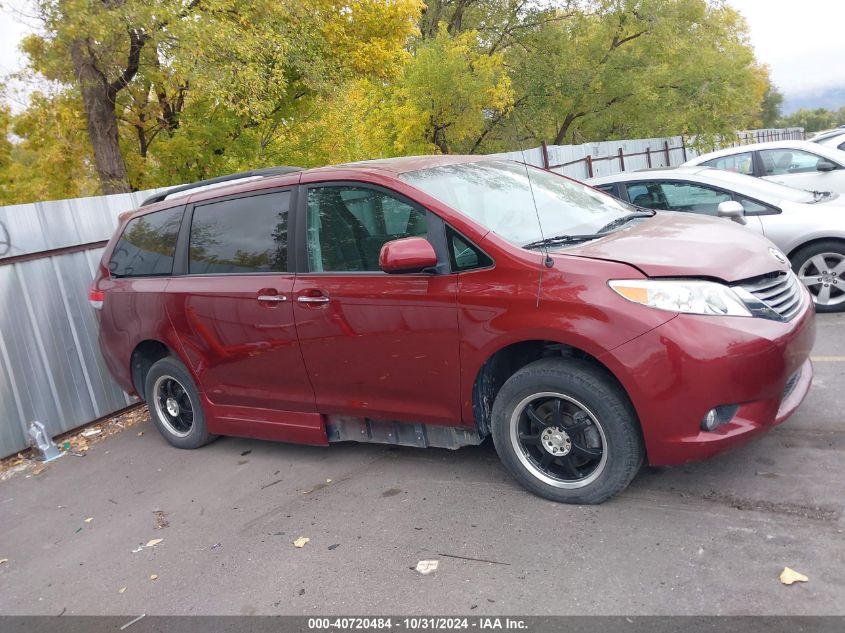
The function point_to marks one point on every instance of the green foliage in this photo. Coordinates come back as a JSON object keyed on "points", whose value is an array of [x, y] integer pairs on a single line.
{"points": [[814, 120], [205, 87], [770, 108], [638, 68], [53, 158]]}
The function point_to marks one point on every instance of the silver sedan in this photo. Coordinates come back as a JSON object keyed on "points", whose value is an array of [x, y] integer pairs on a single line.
{"points": [[808, 226]]}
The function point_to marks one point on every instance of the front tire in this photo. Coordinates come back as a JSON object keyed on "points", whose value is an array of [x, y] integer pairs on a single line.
{"points": [[821, 267], [567, 432], [175, 406]]}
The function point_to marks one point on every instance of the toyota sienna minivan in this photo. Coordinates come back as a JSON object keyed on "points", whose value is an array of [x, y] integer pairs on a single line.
{"points": [[438, 300]]}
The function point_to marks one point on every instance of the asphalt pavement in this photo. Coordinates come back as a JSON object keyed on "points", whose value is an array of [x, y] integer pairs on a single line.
{"points": [[706, 538]]}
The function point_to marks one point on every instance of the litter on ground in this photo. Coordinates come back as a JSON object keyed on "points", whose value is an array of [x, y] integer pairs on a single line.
{"points": [[426, 567], [789, 576]]}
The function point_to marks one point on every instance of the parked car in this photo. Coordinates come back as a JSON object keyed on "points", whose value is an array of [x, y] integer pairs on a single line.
{"points": [[433, 301], [809, 227], [799, 164], [831, 138]]}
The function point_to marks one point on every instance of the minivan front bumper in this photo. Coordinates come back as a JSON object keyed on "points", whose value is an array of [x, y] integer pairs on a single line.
{"points": [[677, 372]]}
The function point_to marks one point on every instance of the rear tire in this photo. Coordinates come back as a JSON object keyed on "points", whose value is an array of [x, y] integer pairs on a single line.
{"points": [[175, 406], [819, 264], [567, 432]]}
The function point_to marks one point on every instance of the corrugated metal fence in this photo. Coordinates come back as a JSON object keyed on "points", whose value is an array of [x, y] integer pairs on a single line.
{"points": [[50, 365]]}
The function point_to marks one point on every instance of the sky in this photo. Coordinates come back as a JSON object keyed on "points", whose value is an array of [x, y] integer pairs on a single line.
{"points": [[802, 42]]}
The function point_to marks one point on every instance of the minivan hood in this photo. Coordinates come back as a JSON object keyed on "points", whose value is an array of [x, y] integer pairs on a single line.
{"points": [[682, 245]]}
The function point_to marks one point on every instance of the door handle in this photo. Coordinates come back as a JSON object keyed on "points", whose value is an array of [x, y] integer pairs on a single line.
{"points": [[313, 299], [272, 298]]}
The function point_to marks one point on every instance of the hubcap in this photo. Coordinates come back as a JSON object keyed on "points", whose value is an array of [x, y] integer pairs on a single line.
{"points": [[558, 440], [173, 406], [822, 274]]}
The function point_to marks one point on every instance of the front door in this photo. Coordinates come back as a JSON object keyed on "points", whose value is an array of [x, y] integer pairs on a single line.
{"points": [[232, 309], [376, 345]]}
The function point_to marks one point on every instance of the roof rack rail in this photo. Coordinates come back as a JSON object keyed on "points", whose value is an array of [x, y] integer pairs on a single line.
{"points": [[255, 173]]}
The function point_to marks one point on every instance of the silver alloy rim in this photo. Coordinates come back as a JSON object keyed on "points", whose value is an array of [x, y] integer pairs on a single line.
{"points": [[557, 441], [823, 275], [173, 406]]}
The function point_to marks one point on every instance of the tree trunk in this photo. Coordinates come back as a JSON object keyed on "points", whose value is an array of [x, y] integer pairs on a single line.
{"points": [[99, 100], [564, 128]]}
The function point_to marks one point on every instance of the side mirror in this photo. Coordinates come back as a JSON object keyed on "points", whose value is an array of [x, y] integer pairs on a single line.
{"points": [[407, 255], [825, 165], [732, 210]]}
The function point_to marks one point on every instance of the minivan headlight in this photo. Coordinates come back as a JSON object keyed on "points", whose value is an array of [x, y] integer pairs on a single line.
{"points": [[680, 295]]}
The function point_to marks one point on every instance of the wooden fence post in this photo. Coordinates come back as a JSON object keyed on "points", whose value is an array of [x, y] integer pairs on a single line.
{"points": [[648, 156], [590, 165], [621, 159], [666, 149], [545, 155]]}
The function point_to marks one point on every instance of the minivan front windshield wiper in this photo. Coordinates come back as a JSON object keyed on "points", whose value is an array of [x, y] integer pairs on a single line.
{"points": [[557, 240], [647, 213]]}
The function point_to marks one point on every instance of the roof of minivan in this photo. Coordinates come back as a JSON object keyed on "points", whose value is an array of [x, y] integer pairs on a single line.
{"points": [[394, 166], [404, 164]]}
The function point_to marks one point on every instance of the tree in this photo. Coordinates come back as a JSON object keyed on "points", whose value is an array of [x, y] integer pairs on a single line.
{"points": [[631, 68], [256, 63], [446, 93], [51, 157], [770, 110], [814, 120]]}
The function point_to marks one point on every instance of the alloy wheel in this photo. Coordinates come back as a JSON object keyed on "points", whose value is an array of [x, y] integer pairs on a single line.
{"points": [[559, 440], [173, 406], [823, 276]]}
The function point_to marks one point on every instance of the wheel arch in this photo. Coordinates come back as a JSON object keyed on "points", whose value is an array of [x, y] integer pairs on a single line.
{"points": [[145, 354], [510, 357], [814, 241]]}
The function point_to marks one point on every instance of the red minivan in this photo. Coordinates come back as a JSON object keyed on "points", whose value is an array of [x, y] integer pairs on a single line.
{"points": [[433, 301]]}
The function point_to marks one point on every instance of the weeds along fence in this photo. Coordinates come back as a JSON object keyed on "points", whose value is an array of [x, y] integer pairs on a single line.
{"points": [[50, 364], [591, 160]]}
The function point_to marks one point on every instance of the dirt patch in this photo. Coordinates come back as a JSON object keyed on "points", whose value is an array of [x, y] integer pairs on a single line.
{"points": [[161, 519], [75, 443], [815, 513]]}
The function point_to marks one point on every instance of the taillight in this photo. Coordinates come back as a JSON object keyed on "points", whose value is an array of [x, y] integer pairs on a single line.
{"points": [[95, 298]]}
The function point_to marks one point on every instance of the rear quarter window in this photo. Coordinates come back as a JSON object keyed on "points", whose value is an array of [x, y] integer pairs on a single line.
{"points": [[147, 246]]}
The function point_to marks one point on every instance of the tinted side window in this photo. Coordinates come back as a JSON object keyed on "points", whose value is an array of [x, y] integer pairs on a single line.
{"points": [[464, 254], [244, 235], [647, 195], [147, 245], [347, 226], [682, 196], [752, 206], [740, 163]]}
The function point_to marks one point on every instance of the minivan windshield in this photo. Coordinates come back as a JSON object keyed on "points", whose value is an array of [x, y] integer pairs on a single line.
{"points": [[498, 195]]}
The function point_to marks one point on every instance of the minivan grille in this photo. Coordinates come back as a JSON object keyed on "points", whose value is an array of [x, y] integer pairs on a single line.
{"points": [[781, 293]]}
